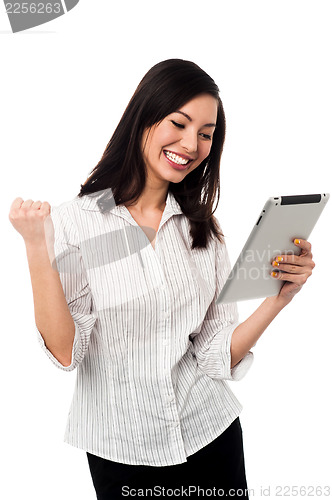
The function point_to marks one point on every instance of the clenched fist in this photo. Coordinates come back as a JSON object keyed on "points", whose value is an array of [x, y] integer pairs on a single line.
{"points": [[32, 220]]}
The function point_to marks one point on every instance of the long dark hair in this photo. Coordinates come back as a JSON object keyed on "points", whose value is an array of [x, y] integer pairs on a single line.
{"points": [[165, 88]]}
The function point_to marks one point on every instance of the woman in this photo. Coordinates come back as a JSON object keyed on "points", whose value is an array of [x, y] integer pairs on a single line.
{"points": [[138, 260]]}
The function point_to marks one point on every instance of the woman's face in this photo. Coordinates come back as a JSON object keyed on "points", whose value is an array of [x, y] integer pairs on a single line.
{"points": [[181, 141]]}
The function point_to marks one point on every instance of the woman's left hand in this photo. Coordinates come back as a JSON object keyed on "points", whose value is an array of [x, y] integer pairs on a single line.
{"points": [[294, 269]]}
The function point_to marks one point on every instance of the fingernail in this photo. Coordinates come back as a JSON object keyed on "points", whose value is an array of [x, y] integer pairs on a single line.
{"points": [[274, 274], [279, 259], [297, 242], [275, 264]]}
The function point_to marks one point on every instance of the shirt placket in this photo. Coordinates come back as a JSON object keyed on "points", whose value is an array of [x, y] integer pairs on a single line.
{"points": [[164, 327]]}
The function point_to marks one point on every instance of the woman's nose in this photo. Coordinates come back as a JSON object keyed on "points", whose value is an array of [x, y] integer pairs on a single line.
{"points": [[189, 141]]}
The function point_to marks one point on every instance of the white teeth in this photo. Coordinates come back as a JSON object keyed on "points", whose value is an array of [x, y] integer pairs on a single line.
{"points": [[176, 159]]}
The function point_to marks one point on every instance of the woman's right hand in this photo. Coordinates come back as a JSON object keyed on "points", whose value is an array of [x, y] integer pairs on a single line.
{"points": [[32, 220]]}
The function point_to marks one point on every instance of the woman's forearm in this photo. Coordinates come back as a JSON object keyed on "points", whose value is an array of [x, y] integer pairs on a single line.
{"points": [[247, 333], [52, 315]]}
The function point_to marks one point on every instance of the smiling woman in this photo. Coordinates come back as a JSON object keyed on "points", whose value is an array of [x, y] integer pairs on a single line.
{"points": [[139, 321], [170, 138]]}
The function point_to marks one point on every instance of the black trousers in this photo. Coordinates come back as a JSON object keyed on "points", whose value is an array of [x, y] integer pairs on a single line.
{"points": [[218, 465]]}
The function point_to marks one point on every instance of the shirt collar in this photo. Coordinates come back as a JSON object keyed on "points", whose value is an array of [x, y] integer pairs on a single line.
{"points": [[89, 202]]}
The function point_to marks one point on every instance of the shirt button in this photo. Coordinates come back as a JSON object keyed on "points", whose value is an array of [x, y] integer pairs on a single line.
{"points": [[176, 424], [165, 342], [170, 398]]}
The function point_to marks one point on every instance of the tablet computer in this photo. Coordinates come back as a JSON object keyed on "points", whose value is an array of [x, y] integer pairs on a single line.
{"points": [[281, 220]]}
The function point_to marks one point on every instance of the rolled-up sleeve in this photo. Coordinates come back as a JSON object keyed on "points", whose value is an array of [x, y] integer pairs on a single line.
{"points": [[212, 345], [68, 262]]}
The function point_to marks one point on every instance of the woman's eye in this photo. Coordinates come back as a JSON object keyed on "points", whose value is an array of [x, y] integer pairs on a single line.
{"points": [[207, 136], [177, 124]]}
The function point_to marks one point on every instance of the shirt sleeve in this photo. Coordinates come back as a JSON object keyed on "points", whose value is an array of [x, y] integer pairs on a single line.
{"points": [[212, 345], [68, 262]]}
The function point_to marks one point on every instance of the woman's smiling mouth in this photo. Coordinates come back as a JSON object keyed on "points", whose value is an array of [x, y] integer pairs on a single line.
{"points": [[176, 160]]}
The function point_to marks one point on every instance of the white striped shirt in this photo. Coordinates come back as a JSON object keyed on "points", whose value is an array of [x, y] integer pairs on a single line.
{"points": [[152, 349]]}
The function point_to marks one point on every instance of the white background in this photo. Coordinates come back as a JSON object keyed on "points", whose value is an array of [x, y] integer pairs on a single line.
{"points": [[64, 87]]}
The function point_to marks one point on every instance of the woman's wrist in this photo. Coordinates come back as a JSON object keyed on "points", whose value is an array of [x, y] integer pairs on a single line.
{"points": [[278, 301], [247, 333]]}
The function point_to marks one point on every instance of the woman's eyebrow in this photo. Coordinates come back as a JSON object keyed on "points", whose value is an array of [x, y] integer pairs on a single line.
{"points": [[190, 119]]}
